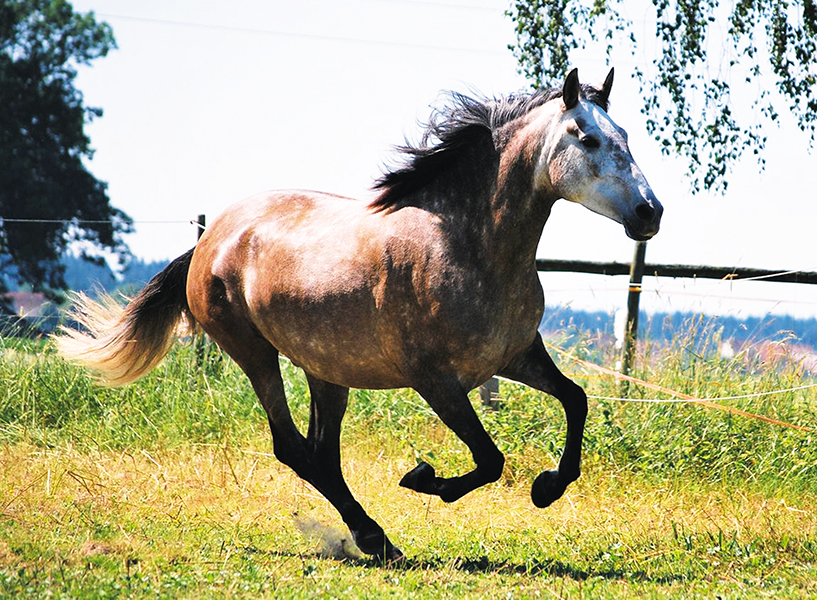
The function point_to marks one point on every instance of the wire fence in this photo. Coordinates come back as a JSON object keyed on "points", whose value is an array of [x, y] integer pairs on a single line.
{"points": [[722, 290], [605, 294]]}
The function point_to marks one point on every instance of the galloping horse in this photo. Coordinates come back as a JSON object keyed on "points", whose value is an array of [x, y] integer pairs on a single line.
{"points": [[432, 286]]}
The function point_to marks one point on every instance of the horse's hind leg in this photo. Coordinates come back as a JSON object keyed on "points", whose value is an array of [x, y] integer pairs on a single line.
{"points": [[328, 405], [535, 368], [315, 458], [450, 401], [259, 361]]}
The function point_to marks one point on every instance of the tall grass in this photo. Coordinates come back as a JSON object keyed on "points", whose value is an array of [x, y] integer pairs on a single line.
{"points": [[201, 397], [674, 439], [47, 401], [168, 488]]}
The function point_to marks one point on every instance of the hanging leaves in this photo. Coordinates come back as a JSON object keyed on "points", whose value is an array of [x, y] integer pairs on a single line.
{"points": [[703, 92]]}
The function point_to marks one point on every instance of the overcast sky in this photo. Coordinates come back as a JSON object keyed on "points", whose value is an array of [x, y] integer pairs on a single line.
{"points": [[208, 102]]}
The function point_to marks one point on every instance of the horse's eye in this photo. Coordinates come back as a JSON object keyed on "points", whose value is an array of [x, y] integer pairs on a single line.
{"points": [[589, 141]]}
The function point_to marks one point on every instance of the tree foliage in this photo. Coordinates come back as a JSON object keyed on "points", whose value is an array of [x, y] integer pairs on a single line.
{"points": [[710, 58], [43, 143]]}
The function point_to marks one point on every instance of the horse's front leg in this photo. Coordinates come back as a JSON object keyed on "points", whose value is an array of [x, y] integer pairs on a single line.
{"points": [[535, 368], [450, 401]]}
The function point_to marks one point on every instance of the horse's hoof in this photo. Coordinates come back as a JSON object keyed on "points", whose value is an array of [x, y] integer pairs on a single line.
{"points": [[378, 545], [393, 555], [420, 479], [389, 554], [547, 488]]}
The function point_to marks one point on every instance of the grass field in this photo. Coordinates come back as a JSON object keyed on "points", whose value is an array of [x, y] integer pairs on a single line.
{"points": [[168, 488]]}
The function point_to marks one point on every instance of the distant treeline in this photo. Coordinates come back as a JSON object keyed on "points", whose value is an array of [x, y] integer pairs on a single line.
{"points": [[27, 313], [666, 326], [84, 276]]}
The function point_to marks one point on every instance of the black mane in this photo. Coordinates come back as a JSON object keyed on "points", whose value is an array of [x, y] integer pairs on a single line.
{"points": [[463, 125]]}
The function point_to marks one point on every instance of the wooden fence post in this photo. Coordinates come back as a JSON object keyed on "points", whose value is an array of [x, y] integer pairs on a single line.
{"points": [[634, 294], [201, 222], [489, 393], [205, 354]]}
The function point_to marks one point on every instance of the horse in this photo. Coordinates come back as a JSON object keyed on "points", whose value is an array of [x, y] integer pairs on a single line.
{"points": [[432, 285]]}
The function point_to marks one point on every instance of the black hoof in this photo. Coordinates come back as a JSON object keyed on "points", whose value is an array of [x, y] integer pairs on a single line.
{"points": [[378, 545], [392, 555], [547, 488], [420, 479]]}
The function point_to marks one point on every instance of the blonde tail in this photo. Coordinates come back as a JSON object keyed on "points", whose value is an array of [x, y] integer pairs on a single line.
{"points": [[123, 343]]}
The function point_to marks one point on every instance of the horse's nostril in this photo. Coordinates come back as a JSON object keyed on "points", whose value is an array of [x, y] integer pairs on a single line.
{"points": [[644, 211]]}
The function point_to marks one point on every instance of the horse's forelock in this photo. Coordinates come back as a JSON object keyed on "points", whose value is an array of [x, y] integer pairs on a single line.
{"points": [[596, 96]]}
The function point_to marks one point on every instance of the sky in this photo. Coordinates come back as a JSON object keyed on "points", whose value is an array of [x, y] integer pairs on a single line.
{"points": [[206, 103]]}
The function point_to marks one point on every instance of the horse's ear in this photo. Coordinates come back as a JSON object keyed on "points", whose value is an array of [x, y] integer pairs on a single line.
{"points": [[570, 90], [607, 86]]}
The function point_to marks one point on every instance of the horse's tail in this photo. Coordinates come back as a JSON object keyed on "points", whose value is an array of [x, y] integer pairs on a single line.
{"points": [[123, 343]]}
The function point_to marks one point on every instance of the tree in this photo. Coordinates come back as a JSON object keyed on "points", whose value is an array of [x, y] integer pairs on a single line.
{"points": [[710, 55], [48, 198]]}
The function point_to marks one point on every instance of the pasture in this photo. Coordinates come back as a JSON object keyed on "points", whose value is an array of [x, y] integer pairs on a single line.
{"points": [[168, 487]]}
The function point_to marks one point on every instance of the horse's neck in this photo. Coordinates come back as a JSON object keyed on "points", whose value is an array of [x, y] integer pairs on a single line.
{"points": [[488, 198], [518, 227], [519, 213]]}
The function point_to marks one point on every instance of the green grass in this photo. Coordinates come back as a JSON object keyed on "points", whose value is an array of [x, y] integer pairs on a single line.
{"points": [[168, 488]]}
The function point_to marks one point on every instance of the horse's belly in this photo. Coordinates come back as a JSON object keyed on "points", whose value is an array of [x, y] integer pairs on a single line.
{"points": [[354, 358], [349, 371], [368, 349]]}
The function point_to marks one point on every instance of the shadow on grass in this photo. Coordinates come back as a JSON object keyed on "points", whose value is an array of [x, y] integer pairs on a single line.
{"points": [[554, 568], [482, 565]]}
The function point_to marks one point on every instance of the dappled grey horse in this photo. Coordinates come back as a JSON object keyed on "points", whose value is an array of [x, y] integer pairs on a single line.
{"points": [[432, 286]]}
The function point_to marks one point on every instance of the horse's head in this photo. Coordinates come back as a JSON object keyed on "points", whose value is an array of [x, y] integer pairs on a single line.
{"points": [[585, 159]]}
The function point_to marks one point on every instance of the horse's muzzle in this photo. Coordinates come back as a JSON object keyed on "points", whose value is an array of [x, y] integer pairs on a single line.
{"points": [[645, 221]]}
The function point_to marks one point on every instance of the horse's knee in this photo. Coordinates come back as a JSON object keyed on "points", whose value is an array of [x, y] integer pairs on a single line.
{"points": [[573, 399], [572, 393], [579, 398], [578, 410]]}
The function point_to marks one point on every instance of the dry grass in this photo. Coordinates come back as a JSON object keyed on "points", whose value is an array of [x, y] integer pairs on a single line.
{"points": [[216, 507], [168, 488]]}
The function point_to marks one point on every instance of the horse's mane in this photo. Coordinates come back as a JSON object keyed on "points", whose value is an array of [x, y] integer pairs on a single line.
{"points": [[456, 128]]}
